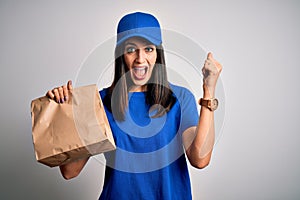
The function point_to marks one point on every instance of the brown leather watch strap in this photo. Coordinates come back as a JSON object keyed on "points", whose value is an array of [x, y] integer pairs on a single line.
{"points": [[211, 104]]}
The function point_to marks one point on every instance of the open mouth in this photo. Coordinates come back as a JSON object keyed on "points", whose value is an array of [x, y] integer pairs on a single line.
{"points": [[140, 72]]}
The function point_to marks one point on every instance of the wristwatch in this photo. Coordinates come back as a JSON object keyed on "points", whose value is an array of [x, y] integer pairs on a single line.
{"points": [[211, 104]]}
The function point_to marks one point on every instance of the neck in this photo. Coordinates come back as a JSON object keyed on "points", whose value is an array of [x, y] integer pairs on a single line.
{"points": [[136, 88]]}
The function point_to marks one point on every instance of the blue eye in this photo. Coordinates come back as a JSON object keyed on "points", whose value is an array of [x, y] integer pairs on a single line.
{"points": [[130, 49], [149, 49]]}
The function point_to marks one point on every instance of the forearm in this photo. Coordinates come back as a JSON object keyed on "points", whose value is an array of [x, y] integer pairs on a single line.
{"points": [[205, 133], [199, 141], [200, 149], [72, 169]]}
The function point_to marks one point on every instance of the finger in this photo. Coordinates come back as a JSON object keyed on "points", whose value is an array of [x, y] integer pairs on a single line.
{"points": [[219, 66], [208, 64], [65, 92], [50, 94], [211, 59], [56, 94], [203, 71], [205, 68], [61, 94], [209, 56], [70, 87]]}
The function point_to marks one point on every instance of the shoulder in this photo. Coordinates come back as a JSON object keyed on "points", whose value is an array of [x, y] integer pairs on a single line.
{"points": [[180, 91]]}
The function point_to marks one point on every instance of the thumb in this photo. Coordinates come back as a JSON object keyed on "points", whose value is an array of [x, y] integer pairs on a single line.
{"points": [[209, 56], [70, 87]]}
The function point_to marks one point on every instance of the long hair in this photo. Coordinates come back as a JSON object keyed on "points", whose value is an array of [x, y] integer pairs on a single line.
{"points": [[158, 95]]}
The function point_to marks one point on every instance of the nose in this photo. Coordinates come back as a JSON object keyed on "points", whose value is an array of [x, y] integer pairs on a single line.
{"points": [[140, 56]]}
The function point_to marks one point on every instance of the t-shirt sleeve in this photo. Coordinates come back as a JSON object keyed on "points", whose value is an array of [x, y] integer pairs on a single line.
{"points": [[189, 112]]}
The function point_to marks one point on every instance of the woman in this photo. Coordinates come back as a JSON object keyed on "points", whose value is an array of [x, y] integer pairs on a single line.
{"points": [[150, 118]]}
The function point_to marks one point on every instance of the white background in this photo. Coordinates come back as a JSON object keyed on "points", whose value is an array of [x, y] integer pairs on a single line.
{"points": [[43, 43]]}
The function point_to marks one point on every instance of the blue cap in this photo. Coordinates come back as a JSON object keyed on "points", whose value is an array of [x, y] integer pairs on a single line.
{"points": [[139, 24]]}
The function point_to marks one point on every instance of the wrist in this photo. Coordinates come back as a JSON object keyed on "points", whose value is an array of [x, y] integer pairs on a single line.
{"points": [[211, 104], [208, 93]]}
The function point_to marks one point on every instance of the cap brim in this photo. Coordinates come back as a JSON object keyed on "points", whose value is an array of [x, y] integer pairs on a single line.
{"points": [[151, 40], [152, 34]]}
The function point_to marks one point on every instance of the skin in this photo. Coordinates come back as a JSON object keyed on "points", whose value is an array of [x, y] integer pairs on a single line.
{"points": [[198, 140], [139, 54]]}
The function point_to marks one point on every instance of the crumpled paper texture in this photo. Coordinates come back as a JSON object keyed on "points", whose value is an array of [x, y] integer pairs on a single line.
{"points": [[76, 129]]}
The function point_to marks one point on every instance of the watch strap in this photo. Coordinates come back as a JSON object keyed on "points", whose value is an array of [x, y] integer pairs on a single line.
{"points": [[209, 103]]}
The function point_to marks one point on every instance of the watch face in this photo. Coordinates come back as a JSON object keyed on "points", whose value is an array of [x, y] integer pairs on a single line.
{"points": [[215, 104]]}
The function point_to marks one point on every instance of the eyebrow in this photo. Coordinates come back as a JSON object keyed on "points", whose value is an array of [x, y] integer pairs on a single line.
{"points": [[144, 43], [130, 43]]}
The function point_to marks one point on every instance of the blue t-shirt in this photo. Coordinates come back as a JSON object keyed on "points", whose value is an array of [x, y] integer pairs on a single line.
{"points": [[149, 162]]}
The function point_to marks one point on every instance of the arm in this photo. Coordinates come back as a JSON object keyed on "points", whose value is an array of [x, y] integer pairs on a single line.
{"points": [[199, 140], [72, 169]]}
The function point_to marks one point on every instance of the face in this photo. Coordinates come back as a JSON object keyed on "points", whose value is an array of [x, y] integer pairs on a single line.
{"points": [[140, 57]]}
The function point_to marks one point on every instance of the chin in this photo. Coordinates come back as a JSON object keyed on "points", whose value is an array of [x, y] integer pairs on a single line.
{"points": [[140, 83]]}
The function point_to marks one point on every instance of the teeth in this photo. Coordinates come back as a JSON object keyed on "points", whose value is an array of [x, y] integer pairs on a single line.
{"points": [[140, 71]]}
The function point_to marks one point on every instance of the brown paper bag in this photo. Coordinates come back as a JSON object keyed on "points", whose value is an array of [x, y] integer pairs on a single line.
{"points": [[75, 129]]}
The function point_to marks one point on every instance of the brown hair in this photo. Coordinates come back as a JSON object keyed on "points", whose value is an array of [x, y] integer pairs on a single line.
{"points": [[158, 94]]}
